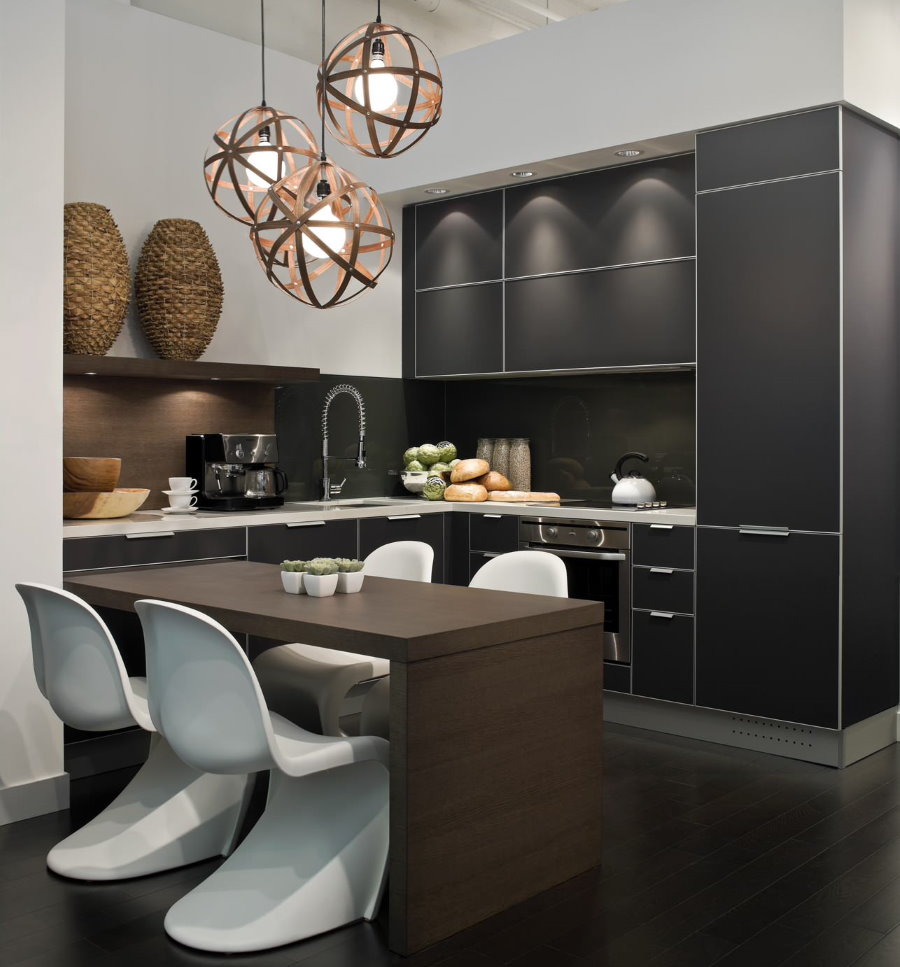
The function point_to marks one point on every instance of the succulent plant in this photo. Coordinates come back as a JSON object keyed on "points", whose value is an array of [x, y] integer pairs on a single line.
{"points": [[349, 565], [321, 567], [294, 566]]}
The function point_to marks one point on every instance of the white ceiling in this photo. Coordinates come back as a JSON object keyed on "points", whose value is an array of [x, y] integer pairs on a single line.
{"points": [[446, 26]]}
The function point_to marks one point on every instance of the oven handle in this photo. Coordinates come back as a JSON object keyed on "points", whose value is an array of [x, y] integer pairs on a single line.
{"points": [[591, 555]]}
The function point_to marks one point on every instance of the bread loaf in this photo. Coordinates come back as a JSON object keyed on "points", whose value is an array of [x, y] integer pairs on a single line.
{"points": [[471, 492], [469, 470], [521, 496], [494, 481]]}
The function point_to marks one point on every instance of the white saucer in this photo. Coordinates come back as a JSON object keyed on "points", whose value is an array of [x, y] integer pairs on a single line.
{"points": [[180, 510], [178, 493]]}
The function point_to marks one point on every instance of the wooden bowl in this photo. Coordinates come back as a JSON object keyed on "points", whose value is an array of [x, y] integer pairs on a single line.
{"points": [[93, 474], [94, 506]]}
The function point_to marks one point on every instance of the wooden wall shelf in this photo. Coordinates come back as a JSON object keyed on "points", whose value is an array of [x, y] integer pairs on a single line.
{"points": [[142, 368]]}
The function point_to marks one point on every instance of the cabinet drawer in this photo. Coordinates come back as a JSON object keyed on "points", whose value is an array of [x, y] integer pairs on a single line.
{"points": [[662, 589], [663, 545], [494, 532], [274, 543], [662, 662], [428, 528], [86, 553], [616, 677]]}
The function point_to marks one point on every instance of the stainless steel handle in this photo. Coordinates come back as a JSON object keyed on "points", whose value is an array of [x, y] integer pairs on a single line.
{"points": [[592, 555], [404, 517], [662, 527], [662, 614], [492, 516], [662, 570], [306, 523], [136, 537], [764, 531], [491, 553]]}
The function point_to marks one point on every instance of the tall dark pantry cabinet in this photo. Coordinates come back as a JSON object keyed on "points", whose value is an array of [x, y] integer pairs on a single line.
{"points": [[798, 255]]}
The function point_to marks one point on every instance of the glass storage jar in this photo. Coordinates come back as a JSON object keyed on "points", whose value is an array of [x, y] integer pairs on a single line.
{"points": [[520, 464]]}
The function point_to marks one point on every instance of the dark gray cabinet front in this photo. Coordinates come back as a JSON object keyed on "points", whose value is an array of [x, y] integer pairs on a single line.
{"points": [[493, 532], [767, 625], [152, 547], [634, 316], [662, 662], [459, 330], [459, 240], [631, 213], [429, 528], [274, 543], [768, 364]]}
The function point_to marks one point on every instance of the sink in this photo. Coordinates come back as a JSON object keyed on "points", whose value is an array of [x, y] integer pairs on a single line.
{"points": [[345, 505]]}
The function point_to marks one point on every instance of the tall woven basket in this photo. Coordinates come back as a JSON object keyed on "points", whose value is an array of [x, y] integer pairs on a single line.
{"points": [[178, 288], [97, 283]]}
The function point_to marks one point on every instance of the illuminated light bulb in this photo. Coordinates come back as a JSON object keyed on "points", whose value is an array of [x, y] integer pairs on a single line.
{"points": [[382, 86], [265, 160], [335, 238]]}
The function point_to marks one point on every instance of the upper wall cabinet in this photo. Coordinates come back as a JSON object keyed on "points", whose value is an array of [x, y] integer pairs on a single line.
{"points": [[798, 144], [459, 240], [616, 216]]}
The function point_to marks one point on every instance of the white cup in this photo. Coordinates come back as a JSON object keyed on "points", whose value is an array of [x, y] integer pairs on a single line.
{"points": [[182, 483], [182, 500]]}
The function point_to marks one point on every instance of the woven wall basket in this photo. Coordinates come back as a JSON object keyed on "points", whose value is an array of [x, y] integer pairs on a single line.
{"points": [[178, 288], [97, 283]]}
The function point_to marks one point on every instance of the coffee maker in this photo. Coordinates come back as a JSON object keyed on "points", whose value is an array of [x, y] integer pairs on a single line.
{"points": [[235, 471]]}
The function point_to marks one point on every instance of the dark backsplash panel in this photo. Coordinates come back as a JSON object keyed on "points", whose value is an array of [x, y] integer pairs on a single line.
{"points": [[579, 426], [398, 412]]}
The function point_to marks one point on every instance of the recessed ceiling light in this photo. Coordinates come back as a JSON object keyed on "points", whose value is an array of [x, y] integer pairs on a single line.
{"points": [[522, 174], [435, 191], [629, 153]]}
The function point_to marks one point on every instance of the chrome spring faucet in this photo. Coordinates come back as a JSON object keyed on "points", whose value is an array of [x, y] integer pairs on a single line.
{"points": [[329, 489]]}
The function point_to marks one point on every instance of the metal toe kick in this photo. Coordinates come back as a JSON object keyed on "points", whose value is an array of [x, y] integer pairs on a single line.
{"points": [[809, 743]]}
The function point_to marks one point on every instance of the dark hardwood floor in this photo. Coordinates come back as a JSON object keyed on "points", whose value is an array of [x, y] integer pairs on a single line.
{"points": [[712, 856]]}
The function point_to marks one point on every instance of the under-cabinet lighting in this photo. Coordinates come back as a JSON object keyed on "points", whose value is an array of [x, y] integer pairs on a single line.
{"points": [[90, 374]]}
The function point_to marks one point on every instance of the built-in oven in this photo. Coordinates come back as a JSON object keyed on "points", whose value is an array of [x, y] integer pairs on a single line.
{"points": [[597, 555]]}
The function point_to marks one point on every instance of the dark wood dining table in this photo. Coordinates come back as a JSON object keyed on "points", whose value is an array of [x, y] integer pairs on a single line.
{"points": [[495, 724]]}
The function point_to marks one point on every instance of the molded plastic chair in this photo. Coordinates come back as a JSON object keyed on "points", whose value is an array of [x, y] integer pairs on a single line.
{"points": [[317, 857], [526, 572], [170, 814], [307, 684]]}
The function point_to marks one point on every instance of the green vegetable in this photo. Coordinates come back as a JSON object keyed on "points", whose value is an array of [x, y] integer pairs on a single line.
{"points": [[410, 455], [414, 465], [448, 451], [429, 454], [434, 488], [294, 566], [453, 463], [440, 467]]}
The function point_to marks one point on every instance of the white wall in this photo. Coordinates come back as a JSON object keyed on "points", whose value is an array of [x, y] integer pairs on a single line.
{"points": [[31, 193], [872, 57], [144, 94]]}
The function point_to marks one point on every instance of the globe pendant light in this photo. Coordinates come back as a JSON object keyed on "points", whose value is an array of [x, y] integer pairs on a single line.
{"points": [[380, 90], [254, 150], [320, 234]]}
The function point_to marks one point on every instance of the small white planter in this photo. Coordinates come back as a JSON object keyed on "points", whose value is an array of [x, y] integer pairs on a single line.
{"points": [[320, 585], [292, 582], [349, 582]]}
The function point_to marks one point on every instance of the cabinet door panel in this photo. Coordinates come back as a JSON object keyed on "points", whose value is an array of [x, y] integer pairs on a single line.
{"points": [[429, 528], [767, 625], [662, 663], [459, 240], [768, 365], [655, 590], [631, 213], [86, 553], [493, 532], [460, 330], [274, 543], [636, 316], [798, 144], [662, 545]]}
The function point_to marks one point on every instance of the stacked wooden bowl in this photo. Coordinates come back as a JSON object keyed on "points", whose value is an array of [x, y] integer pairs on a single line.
{"points": [[90, 492]]}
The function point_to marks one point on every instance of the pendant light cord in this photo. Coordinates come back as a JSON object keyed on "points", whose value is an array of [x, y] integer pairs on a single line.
{"points": [[322, 68], [262, 46], [378, 18]]}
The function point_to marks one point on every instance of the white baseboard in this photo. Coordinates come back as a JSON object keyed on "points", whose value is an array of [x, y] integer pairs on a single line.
{"points": [[34, 798]]}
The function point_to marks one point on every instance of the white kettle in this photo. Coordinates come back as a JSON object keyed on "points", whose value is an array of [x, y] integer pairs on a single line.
{"points": [[631, 488]]}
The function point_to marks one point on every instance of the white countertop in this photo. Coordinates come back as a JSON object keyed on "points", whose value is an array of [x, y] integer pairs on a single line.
{"points": [[150, 521]]}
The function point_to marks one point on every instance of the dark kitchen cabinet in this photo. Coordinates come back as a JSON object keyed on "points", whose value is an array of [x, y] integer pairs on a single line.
{"points": [[768, 636], [274, 543], [614, 216], [662, 545], [662, 661], [769, 354], [663, 589], [459, 330], [429, 528], [152, 547], [636, 316], [493, 532], [459, 240], [798, 144]]}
